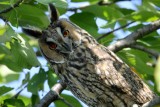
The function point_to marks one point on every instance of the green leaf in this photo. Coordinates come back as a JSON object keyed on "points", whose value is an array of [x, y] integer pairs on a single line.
{"points": [[70, 99], [110, 24], [90, 1], [11, 77], [138, 60], [144, 16], [52, 78], [37, 81], [126, 11], [6, 32], [27, 15], [23, 54], [7, 75], [4, 89], [4, 2], [151, 41], [106, 40], [34, 99], [15, 52], [104, 12], [157, 74], [2, 30], [26, 79], [25, 99], [14, 103], [58, 3], [147, 5], [155, 2], [86, 21]]}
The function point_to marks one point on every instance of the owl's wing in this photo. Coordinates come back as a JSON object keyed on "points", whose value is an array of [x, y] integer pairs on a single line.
{"points": [[118, 76]]}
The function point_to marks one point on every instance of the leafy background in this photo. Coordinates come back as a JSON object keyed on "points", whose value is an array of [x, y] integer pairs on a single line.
{"points": [[17, 51]]}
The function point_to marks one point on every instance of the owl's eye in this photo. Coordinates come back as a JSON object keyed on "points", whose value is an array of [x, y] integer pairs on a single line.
{"points": [[65, 33], [52, 45]]}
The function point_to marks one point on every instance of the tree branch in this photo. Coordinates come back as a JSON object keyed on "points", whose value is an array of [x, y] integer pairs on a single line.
{"points": [[142, 48], [131, 39], [52, 95], [17, 94], [11, 7], [152, 103], [104, 35]]}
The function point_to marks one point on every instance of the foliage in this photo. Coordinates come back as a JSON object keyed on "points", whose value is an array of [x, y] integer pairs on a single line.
{"points": [[17, 54]]}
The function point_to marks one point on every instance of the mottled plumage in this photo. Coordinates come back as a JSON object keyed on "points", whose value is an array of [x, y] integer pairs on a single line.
{"points": [[93, 73]]}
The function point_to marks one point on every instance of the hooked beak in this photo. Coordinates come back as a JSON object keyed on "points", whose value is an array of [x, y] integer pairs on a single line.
{"points": [[67, 47]]}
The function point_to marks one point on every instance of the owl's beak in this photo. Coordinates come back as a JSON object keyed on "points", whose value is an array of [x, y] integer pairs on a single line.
{"points": [[67, 47]]}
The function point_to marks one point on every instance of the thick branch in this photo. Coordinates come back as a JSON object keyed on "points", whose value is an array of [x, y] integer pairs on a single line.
{"points": [[11, 7], [150, 51], [52, 95], [152, 103], [104, 35], [131, 39]]}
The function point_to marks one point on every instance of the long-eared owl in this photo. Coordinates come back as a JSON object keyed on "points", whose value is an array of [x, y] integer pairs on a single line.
{"points": [[93, 73]]}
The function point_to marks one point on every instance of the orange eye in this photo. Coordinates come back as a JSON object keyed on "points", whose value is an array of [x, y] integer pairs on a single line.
{"points": [[65, 33], [52, 45]]}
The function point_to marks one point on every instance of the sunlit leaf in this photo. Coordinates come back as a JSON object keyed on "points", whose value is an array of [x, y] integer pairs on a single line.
{"points": [[90, 1], [17, 53], [27, 15], [147, 16], [2, 30], [104, 12], [58, 3], [4, 2], [7, 75], [6, 34], [25, 100]]}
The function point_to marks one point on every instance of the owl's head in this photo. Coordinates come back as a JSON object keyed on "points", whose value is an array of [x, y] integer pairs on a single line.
{"points": [[59, 39]]}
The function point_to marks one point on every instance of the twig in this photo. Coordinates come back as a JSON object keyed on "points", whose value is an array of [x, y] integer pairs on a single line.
{"points": [[52, 95], [131, 39], [142, 48], [17, 94], [11, 7], [104, 35]]}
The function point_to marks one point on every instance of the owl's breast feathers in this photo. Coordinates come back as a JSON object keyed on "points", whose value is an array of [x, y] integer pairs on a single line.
{"points": [[99, 78]]}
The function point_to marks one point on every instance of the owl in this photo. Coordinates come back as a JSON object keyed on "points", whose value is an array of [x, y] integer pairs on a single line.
{"points": [[94, 74]]}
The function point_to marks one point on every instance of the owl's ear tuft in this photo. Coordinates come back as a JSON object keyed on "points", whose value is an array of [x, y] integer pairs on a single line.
{"points": [[54, 13], [32, 32]]}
